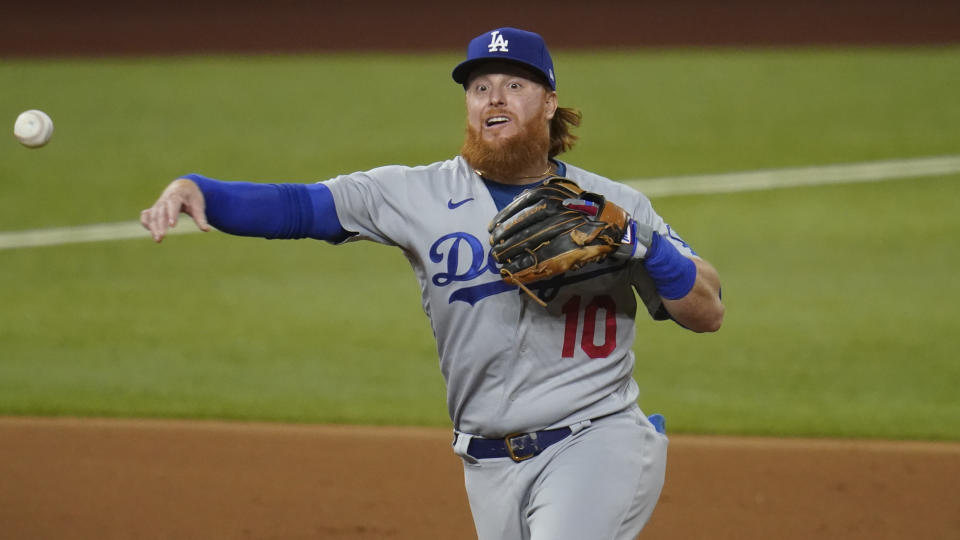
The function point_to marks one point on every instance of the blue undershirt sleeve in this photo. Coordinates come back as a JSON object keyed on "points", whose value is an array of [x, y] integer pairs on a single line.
{"points": [[673, 274], [271, 210]]}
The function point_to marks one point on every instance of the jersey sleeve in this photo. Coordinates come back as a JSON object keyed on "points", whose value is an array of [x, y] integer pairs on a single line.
{"points": [[366, 205]]}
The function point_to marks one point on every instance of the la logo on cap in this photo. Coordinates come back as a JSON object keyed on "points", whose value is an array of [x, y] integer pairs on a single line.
{"points": [[497, 43], [508, 45]]}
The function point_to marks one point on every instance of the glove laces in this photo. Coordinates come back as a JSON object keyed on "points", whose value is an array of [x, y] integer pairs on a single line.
{"points": [[508, 276]]}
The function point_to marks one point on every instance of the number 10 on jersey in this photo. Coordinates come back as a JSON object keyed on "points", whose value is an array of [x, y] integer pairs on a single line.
{"points": [[587, 335]]}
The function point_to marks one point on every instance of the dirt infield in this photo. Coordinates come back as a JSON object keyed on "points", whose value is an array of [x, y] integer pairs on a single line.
{"points": [[130, 479]]}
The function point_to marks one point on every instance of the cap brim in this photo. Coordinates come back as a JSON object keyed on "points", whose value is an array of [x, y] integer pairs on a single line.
{"points": [[462, 72]]}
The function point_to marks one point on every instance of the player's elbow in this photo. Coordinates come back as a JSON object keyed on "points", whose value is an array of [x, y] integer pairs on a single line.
{"points": [[700, 313], [711, 321], [704, 320]]}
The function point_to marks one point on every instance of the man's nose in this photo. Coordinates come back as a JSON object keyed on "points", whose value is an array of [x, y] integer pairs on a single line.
{"points": [[496, 97]]}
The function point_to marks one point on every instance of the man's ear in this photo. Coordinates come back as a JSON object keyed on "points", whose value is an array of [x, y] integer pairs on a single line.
{"points": [[551, 105]]}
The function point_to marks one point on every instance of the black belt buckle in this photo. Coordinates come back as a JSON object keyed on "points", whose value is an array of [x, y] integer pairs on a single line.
{"points": [[522, 446]]}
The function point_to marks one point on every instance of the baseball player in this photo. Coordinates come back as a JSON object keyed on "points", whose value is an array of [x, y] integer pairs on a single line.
{"points": [[539, 372]]}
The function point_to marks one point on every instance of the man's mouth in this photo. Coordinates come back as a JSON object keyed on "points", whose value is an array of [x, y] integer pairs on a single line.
{"points": [[496, 121]]}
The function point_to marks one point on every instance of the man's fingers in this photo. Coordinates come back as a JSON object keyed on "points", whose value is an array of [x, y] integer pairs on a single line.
{"points": [[163, 216], [149, 220], [171, 208], [145, 221], [197, 210], [201, 221], [182, 195], [160, 222]]}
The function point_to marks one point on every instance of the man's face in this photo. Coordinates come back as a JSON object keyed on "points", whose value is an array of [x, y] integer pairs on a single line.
{"points": [[503, 99]]}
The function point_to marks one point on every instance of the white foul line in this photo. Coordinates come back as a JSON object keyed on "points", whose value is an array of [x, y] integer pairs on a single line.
{"points": [[806, 176], [652, 187], [84, 233]]}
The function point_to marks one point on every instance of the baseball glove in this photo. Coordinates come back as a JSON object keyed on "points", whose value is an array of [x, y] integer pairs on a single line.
{"points": [[554, 228]]}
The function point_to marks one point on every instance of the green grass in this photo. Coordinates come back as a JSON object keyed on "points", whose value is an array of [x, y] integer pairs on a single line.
{"points": [[670, 112], [842, 314], [213, 326], [126, 126], [842, 305]]}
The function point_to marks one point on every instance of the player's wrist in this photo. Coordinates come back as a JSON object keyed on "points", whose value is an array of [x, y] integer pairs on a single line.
{"points": [[635, 242], [673, 274]]}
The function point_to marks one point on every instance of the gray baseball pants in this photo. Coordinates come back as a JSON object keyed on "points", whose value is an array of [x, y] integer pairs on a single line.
{"points": [[601, 483]]}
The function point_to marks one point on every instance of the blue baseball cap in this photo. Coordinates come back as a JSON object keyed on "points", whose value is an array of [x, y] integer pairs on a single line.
{"points": [[509, 45]]}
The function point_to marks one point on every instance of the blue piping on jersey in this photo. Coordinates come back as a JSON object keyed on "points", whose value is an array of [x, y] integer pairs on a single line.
{"points": [[547, 289]]}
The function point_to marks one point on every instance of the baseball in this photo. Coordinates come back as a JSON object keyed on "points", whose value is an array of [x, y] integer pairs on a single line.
{"points": [[33, 128]]}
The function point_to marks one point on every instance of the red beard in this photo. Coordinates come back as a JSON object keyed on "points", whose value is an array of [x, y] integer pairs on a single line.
{"points": [[507, 159]]}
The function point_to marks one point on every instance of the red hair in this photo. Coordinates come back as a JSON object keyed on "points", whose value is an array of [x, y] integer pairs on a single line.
{"points": [[561, 138]]}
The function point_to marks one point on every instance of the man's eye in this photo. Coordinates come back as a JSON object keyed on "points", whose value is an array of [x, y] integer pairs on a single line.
{"points": [[514, 86], [481, 88]]}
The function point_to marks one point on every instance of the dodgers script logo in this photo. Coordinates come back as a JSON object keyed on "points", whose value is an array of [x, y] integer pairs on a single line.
{"points": [[462, 258], [497, 42], [465, 260]]}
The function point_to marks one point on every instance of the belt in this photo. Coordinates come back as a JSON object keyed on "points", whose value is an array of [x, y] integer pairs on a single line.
{"points": [[523, 446], [518, 447]]}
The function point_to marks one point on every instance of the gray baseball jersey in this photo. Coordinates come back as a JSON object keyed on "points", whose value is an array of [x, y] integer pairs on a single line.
{"points": [[509, 364]]}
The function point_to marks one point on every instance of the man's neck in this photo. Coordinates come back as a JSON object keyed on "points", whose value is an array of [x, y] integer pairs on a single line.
{"points": [[528, 175]]}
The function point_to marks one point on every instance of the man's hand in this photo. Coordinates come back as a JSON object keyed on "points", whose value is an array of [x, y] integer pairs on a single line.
{"points": [[182, 195]]}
